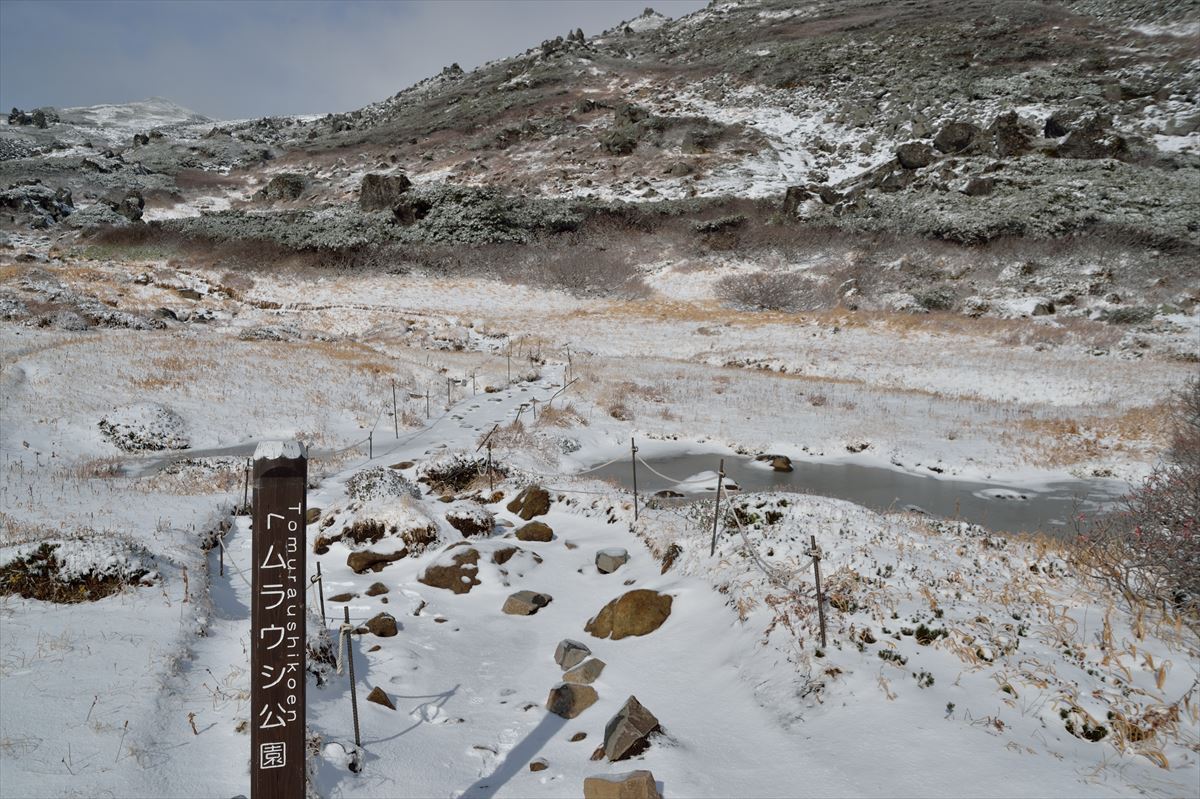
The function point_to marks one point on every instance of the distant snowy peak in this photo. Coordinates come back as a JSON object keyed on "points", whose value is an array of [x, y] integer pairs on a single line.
{"points": [[140, 115]]}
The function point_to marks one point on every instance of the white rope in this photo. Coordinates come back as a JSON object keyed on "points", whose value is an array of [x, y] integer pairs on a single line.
{"points": [[232, 562], [601, 466], [673, 480], [344, 631], [772, 575]]}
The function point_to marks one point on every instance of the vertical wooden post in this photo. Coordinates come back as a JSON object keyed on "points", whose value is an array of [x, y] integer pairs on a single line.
{"points": [[426, 403], [278, 608], [448, 402], [712, 550], [510, 363], [395, 413], [816, 556], [633, 462], [221, 547], [353, 688], [491, 485], [371, 445], [473, 391]]}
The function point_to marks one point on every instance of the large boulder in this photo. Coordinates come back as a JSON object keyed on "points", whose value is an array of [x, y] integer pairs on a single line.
{"points": [[637, 612], [379, 482], [638, 784], [43, 204], [570, 699], [915, 154], [609, 560], [532, 501], [458, 575], [955, 137], [628, 733], [382, 192], [793, 198], [535, 531], [526, 603], [570, 653]]}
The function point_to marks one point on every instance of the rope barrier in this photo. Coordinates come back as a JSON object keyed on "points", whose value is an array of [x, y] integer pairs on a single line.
{"points": [[712, 480], [237, 568], [772, 576]]}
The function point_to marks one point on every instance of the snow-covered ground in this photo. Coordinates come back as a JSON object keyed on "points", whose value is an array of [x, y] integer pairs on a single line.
{"points": [[144, 692]]}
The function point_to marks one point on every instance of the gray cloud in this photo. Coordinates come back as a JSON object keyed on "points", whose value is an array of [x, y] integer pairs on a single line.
{"points": [[233, 60]]}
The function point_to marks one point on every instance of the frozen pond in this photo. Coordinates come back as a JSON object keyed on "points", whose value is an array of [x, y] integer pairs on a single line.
{"points": [[1045, 507]]}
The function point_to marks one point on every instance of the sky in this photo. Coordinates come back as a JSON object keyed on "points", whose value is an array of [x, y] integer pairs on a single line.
{"points": [[231, 60]]}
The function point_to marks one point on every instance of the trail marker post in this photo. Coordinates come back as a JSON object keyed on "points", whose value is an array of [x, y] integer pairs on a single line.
{"points": [[277, 619]]}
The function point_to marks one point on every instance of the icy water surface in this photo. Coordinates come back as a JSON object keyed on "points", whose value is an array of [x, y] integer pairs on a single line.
{"points": [[1003, 508]]}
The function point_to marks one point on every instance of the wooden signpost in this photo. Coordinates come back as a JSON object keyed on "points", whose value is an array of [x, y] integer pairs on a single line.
{"points": [[278, 624]]}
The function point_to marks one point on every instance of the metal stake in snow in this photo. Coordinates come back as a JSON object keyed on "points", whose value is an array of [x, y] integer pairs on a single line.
{"points": [[395, 415], [712, 550], [633, 463], [816, 558], [277, 620]]}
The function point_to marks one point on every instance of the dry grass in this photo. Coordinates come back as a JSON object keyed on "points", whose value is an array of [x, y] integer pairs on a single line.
{"points": [[1062, 441]]}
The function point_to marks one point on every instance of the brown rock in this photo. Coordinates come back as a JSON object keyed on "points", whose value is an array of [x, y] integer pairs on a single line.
{"points": [[533, 501], [311, 515], [631, 785], [382, 192], [526, 603], [781, 463], [955, 136], [458, 576], [383, 625], [586, 672], [378, 696], [628, 733], [470, 521], [535, 531], [539, 765], [637, 612], [569, 653], [342, 597], [577, 737], [360, 562], [609, 560], [569, 700], [376, 589], [401, 465]]}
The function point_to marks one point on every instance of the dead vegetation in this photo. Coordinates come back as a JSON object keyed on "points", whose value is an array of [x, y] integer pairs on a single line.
{"points": [[40, 575]]}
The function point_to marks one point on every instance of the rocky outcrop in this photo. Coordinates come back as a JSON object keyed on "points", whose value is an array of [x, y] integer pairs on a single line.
{"points": [[570, 699], [382, 192], [1008, 135], [128, 204], [284, 186], [638, 612], [1093, 138], [628, 732]]}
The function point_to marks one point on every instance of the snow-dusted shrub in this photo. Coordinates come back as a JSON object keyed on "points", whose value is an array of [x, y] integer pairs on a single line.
{"points": [[457, 471], [68, 572], [145, 426], [470, 519], [362, 525], [763, 290], [380, 482], [1150, 550]]}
